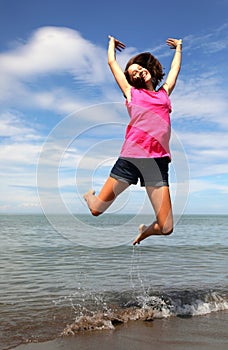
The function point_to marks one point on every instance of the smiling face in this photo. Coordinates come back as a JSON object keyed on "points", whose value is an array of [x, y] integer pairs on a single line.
{"points": [[136, 71], [140, 77], [144, 71]]}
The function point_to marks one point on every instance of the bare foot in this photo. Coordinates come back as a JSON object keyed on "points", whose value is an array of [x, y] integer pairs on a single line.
{"points": [[88, 194], [142, 235]]}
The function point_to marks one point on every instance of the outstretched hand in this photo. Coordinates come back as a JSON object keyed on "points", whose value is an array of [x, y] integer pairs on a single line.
{"points": [[173, 42], [117, 44]]}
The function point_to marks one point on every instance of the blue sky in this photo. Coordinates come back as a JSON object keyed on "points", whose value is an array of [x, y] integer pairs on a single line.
{"points": [[62, 117]]}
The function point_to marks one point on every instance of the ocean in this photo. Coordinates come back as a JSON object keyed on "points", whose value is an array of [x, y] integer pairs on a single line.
{"points": [[61, 276]]}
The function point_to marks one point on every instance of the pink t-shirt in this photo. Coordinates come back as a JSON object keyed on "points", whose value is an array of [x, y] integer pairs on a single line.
{"points": [[148, 133]]}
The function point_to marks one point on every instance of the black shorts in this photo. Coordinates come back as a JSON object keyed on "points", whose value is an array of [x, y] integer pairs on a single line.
{"points": [[150, 171]]}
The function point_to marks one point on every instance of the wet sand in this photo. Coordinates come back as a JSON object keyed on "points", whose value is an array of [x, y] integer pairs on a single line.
{"points": [[208, 332]]}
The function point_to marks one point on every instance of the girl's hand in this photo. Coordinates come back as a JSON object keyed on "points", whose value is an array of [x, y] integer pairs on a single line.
{"points": [[173, 43], [117, 44]]}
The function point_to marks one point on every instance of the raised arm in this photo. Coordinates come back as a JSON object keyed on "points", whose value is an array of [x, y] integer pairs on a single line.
{"points": [[115, 68], [175, 65]]}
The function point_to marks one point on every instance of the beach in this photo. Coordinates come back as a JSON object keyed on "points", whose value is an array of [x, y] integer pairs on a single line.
{"points": [[207, 332], [167, 293]]}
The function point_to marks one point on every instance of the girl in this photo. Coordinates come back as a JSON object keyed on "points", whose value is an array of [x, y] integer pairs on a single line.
{"points": [[145, 153]]}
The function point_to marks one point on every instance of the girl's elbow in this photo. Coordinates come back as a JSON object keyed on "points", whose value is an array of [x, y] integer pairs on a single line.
{"points": [[111, 61]]}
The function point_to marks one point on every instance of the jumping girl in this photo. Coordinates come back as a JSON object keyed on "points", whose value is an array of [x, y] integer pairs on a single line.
{"points": [[145, 153]]}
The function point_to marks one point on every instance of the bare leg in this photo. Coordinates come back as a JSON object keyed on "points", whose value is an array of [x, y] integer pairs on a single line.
{"points": [[160, 200], [111, 189]]}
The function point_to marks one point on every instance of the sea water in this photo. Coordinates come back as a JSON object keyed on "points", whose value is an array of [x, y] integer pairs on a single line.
{"points": [[60, 274]]}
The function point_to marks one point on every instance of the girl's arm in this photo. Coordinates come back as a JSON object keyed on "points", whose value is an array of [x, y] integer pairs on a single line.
{"points": [[115, 68], [175, 65]]}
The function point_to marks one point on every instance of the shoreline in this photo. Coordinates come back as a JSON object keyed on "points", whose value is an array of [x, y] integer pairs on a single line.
{"points": [[206, 332]]}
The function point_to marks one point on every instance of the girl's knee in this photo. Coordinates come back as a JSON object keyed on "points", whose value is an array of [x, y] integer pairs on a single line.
{"points": [[95, 212], [167, 231]]}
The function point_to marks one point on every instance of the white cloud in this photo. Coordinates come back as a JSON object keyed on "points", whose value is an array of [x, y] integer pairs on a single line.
{"points": [[206, 153], [209, 186], [14, 127], [211, 42], [203, 98], [52, 50], [19, 153], [213, 144]]}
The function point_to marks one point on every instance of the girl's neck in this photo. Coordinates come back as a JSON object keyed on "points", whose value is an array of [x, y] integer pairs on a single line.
{"points": [[149, 86]]}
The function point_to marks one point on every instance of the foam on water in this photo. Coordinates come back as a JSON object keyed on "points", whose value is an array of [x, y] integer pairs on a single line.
{"points": [[147, 308]]}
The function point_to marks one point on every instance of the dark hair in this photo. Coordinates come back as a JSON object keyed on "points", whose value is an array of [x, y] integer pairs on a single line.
{"points": [[151, 63]]}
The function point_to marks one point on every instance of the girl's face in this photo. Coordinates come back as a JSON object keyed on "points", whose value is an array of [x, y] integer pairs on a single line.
{"points": [[136, 72]]}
